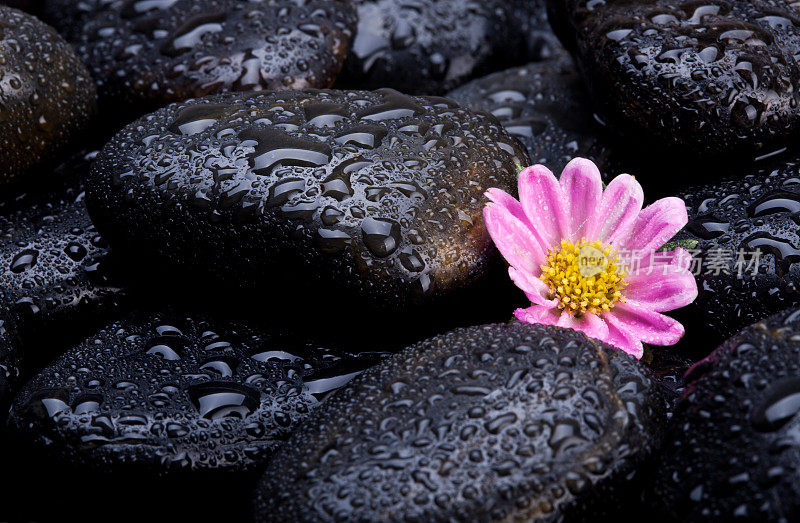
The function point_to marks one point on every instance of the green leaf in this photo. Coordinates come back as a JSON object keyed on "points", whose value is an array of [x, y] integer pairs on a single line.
{"points": [[520, 168], [686, 243]]}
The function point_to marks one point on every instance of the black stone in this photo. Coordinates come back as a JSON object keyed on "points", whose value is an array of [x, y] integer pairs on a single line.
{"points": [[47, 96], [732, 219], [55, 271], [733, 450], [29, 6], [713, 78], [328, 194], [147, 54], [545, 105], [171, 393], [10, 358], [668, 365], [529, 17], [496, 422], [431, 46], [69, 16]]}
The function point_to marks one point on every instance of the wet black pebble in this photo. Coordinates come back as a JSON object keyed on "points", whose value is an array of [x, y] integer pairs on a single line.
{"points": [[29, 6], [55, 273], [732, 221], [495, 422], [10, 358], [68, 16], [545, 105], [47, 96], [148, 53], [431, 46], [733, 451], [529, 17], [376, 194], [169, 393], [715, 77]]}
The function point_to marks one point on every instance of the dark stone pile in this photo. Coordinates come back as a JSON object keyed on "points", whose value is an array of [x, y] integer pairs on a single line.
{"points": [[245, 272]]}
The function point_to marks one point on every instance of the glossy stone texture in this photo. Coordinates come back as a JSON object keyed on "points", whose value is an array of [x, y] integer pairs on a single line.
{"points": [[545, 106], [29, 6], [376, 194], [10, 358], [716, 77], [69, 16], [54, 267], [733, 219], [529, 17], [733, 450], [150, 53], [497, 422], [47, 96], [170, 392], [431, 46], [49, 249]]}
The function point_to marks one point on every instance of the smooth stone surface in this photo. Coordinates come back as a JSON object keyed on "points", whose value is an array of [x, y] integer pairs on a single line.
{"points": [[149, 53], [51, 256], [496, 422], [29, 6], [324, 193], [47, 96], [10, 358], [529, 17], [69, 16], [170, 392], [714, 78], [431, 46], [545, 105], [733, 449], [55, 272], [731, 220], [668, 365]]}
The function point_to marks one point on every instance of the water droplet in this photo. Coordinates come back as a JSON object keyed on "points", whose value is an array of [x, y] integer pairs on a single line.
{"points": [[75, 251], [275, 149], [197, 118], [218, 400], [24, 260], [781, 403], [381, 235]]}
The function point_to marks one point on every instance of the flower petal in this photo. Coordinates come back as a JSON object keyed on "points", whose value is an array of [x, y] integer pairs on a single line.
{"points": [[637, 320], [624, 341], [656, 224], [584, 188], [513, 239], [535, 289], [588, 323], [503, 199], [618, 209], [662, 290], [545, 204], [538, 314]]}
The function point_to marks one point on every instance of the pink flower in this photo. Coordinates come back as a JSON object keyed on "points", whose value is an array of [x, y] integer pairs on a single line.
{"points": [[586, 257]]}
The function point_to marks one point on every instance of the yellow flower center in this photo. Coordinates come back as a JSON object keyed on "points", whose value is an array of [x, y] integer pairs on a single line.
{"points": [[584, 277]]}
